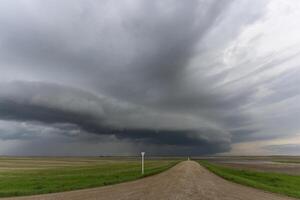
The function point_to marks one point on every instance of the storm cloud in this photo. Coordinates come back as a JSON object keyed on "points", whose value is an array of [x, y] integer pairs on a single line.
{"points": [[169, 77]]}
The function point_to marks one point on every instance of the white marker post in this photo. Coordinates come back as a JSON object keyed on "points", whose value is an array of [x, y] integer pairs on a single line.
{"points": [[143, 154]]}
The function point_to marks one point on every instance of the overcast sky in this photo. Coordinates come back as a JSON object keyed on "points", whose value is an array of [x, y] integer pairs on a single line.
{"points": [[88, 77]]}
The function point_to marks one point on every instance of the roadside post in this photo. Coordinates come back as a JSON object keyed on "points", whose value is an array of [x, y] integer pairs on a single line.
{"points": [[143, 154]]}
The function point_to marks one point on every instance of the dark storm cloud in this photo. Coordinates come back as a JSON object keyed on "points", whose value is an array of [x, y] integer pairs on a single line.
{"points": [[53, 104], [163, 75], [242, 135], [132, 57]]}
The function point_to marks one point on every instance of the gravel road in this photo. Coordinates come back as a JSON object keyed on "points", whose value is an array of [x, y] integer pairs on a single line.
{"points": [[186, 181]]}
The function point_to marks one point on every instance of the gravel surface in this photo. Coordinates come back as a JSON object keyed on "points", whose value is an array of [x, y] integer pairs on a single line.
{"points": [[186, 181]]}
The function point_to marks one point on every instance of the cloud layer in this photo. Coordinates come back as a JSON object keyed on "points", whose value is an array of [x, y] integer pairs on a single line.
{"points": [[166, 76]]}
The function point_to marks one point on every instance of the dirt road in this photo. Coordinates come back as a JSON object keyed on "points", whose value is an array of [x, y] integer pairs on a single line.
{"points": [[186, 181]]}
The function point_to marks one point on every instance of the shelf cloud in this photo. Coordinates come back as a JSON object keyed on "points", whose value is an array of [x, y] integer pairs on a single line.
{"points": [[168, 77]]}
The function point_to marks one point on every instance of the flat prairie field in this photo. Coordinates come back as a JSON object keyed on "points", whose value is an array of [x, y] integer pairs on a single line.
{"points": [[271, 174], [38, 175], [277, 164]]}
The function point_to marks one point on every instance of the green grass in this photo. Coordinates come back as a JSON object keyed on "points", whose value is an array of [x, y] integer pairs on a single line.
{"points": [[26, 179], [274, 182]]}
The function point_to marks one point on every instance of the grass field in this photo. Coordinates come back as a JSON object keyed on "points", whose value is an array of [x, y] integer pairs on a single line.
{"points": [[28, 176], [274, 182]]}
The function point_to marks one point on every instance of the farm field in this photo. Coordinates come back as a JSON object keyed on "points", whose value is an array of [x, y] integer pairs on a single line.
{"points": [[187, 180], [267, 174], [278, 164], [26, 176], [34, 175]]}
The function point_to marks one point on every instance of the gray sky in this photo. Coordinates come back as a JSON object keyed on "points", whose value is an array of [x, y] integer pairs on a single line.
{"points": [[85, 77]]}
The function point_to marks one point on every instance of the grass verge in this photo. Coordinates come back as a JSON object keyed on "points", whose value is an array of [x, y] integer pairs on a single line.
{"points": [[41, 181], [274, 182]]}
